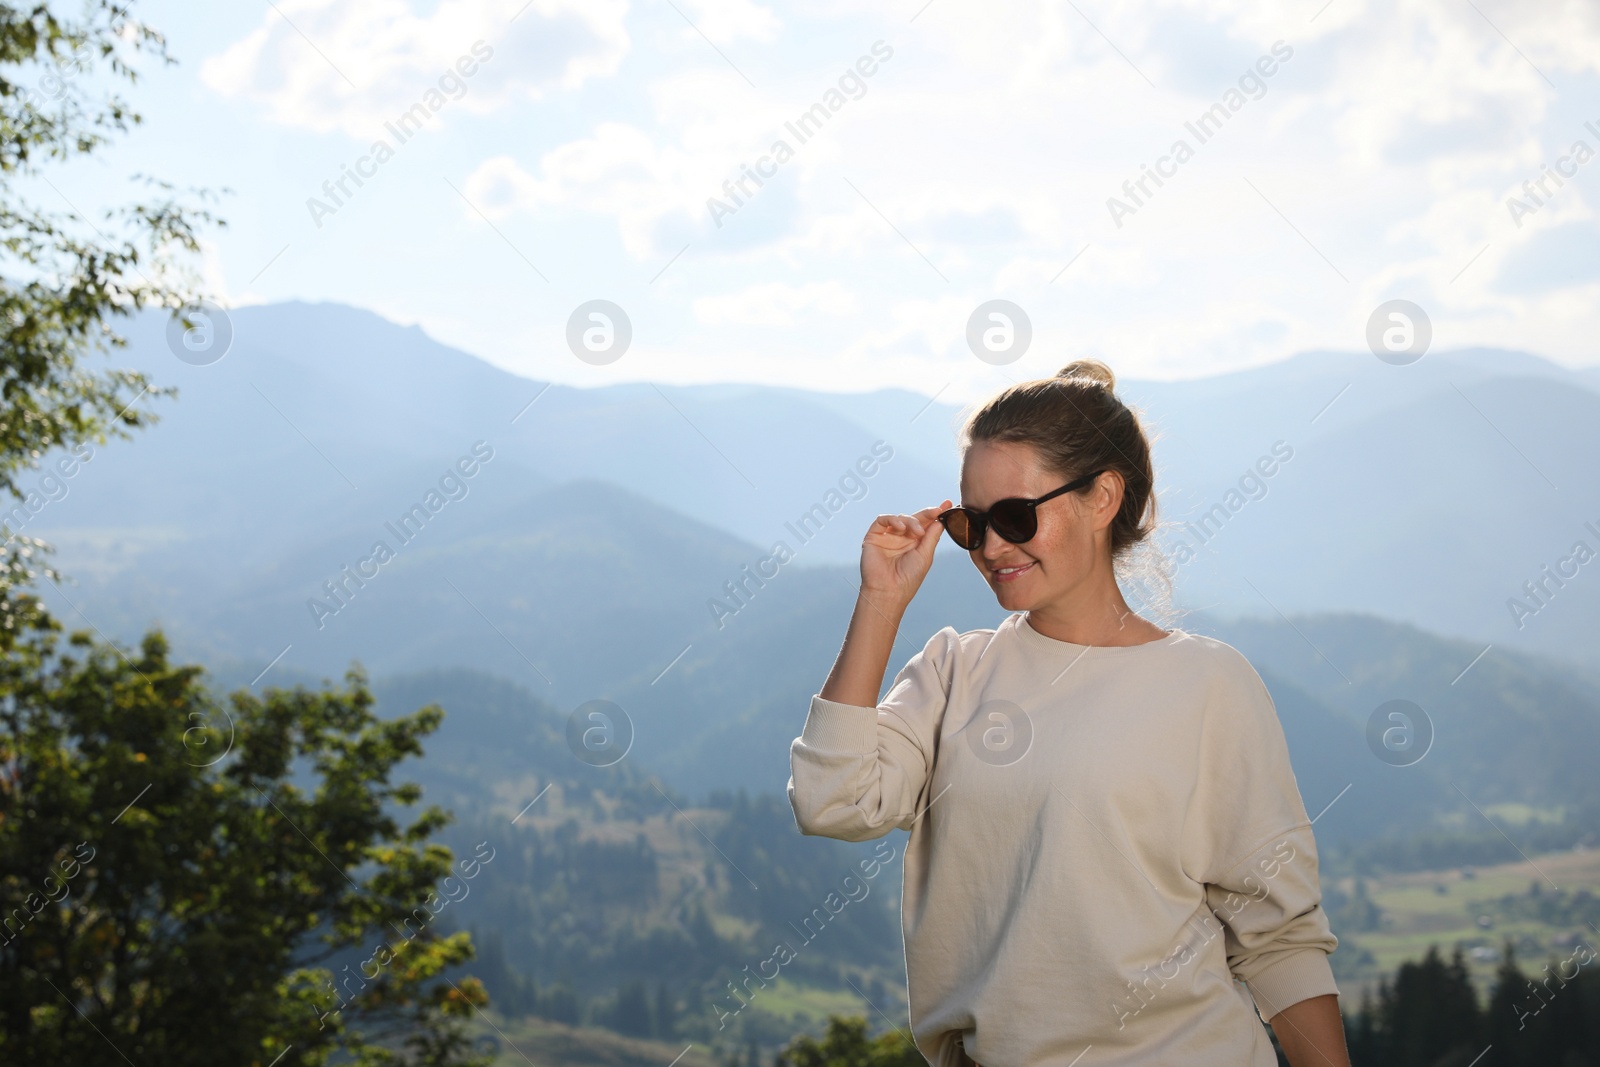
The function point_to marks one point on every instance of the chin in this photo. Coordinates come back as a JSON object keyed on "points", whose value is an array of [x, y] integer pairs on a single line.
{"points": [[1011, 599]]}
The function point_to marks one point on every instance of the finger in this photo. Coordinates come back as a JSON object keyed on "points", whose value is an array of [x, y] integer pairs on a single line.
{"points": [[932, 516], [890, 528]]}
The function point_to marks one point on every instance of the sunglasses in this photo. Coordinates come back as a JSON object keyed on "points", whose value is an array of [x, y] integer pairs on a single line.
{"points": [[1013, 518]]}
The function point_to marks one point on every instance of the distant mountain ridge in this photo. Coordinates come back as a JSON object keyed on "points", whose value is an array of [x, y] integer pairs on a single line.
{"points": [[1429, 493], [584, 555], [716, 708]]}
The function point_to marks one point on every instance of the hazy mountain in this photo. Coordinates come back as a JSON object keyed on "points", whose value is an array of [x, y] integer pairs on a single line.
{"points": [[603, 876], [1507, 727], [714, 708], [1429, 493], [545, 546]]}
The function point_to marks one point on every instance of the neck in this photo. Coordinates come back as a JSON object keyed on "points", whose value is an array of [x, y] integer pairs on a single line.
{"points": [[1093, 613]]}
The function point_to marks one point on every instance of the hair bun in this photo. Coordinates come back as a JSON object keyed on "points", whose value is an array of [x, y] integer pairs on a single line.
{"points": [[1092, 369]]}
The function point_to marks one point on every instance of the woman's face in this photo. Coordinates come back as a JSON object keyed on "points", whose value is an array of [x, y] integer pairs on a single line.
{"points": [[1072, 532]]}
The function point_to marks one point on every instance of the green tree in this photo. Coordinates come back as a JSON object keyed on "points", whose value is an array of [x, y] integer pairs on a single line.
{"points": [[1361, 1035], [1512, 1004], [178, 882], [846, 1044], [64, 279], [560, 1003], [1432, 1010], [176, 874], [665, 1012], [1360, 913], [632, 1015]]}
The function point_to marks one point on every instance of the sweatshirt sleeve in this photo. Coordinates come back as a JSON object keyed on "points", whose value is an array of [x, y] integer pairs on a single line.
{"points": [[855, 772], [1246, 837]]}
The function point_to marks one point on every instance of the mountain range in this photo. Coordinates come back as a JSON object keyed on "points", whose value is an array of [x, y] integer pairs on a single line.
{"points": [[340, 490], [606, 543]]}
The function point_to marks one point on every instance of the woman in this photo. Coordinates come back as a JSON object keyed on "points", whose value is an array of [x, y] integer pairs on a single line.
{"points": [[1106, 837]]}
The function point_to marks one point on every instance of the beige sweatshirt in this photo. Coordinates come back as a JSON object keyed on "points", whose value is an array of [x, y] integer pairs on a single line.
{"points": [[1102, 840]]}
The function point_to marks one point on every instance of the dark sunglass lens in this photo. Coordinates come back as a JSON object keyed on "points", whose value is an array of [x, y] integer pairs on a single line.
{"points": [[963, 529], [1013, 520]]}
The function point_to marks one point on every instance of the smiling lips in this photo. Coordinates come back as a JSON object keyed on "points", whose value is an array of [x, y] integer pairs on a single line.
{"points": [[1011, 574]]}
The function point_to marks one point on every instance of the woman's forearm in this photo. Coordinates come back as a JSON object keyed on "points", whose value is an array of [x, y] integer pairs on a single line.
{"points": [[1312, 1033], [857, 674]]}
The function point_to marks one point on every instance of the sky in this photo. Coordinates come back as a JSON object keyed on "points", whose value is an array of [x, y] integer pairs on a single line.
{"points": [[658, 156]]}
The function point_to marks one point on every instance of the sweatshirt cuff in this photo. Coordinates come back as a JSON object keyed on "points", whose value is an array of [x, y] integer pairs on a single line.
{"points": [[835, 727], [1298, 976]]}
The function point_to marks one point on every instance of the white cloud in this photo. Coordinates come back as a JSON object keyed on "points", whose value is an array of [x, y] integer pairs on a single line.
{"points": [[774, 304], [724, 21], [619, 171], [331, 65], [991, 141]]}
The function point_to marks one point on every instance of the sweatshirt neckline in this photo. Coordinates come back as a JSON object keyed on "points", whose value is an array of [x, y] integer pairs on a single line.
{"points": [[1019, 620]]}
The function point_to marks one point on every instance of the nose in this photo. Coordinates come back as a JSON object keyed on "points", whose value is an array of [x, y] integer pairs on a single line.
{"points": [[994, 546]]}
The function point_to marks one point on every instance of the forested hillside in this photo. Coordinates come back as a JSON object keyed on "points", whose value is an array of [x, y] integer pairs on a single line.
{"points": [[617, 901]]}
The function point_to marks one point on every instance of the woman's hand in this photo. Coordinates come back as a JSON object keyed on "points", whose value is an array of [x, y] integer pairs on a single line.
{"points": [[897, 552], [895, 557]]}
